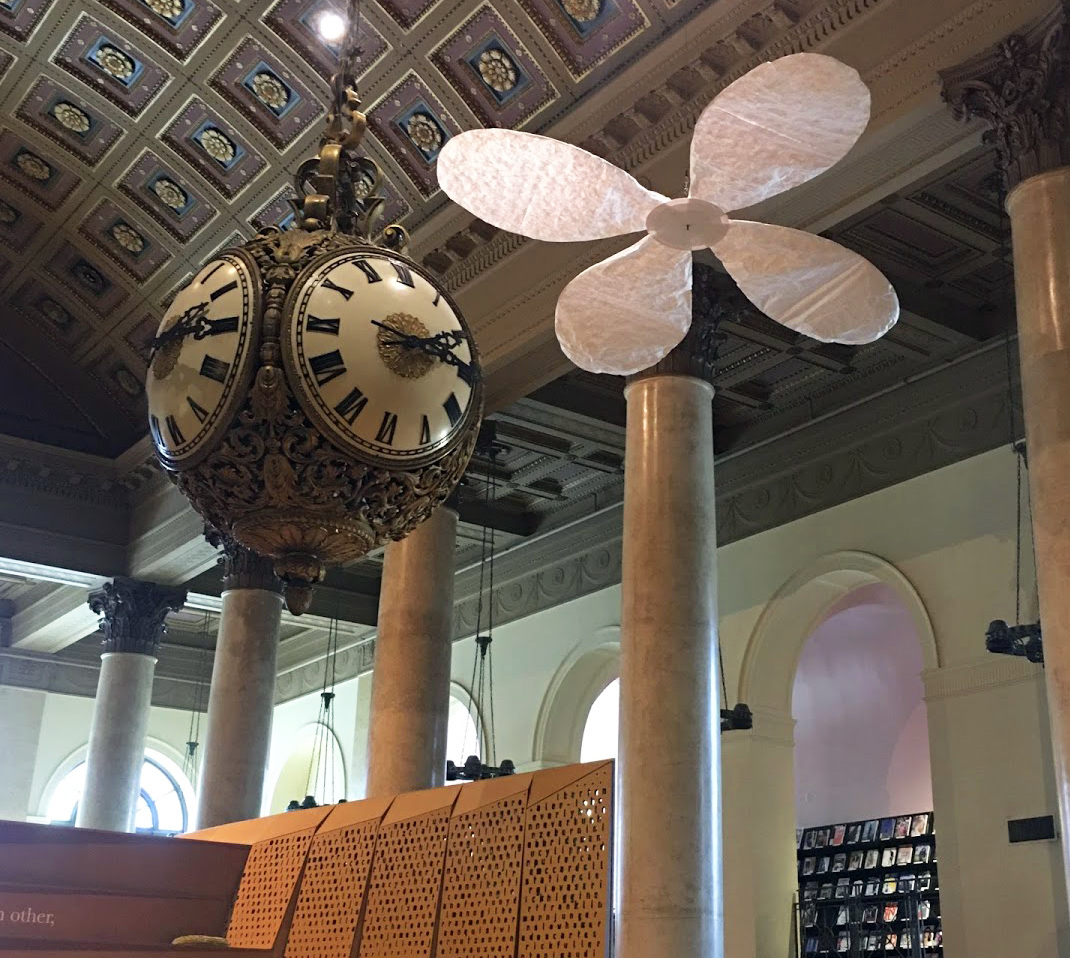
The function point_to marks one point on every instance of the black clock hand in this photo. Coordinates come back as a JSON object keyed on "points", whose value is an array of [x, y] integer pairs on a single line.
{"points": [[440, 346], [193, 322]]}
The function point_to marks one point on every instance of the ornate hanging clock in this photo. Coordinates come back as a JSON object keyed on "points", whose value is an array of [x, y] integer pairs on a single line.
{"points": [[312, 393]]}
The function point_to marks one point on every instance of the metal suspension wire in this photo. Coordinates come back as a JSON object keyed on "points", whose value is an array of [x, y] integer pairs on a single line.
{"points": [[321, 761], [489, 652], [193, 736]]}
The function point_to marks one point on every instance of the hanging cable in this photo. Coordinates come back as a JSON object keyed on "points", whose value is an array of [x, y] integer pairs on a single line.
{"points": [[492, 498], [321, 777], [193, 736], [1022, 639]]}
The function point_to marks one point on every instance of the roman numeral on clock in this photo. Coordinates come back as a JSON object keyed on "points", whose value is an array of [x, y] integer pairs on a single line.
{"points": [[368, 270], [352, 406], [404, 274], [453, 409], [215, 269], [385, 434], [176, 434], [215, 369], [198, 410], [340, 290], [223, 290], [225, 324], [425, 432], [316, 325], [154, 428], [327, 366], [438, 296]]}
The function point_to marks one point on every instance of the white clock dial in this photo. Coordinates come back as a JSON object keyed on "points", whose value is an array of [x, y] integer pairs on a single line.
{"points": [[196, 377], [381, 357]]}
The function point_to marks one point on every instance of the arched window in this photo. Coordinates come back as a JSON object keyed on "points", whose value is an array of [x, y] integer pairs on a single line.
{"points": [[462, 733], [162, 805], [314, 767], [600, 730]]}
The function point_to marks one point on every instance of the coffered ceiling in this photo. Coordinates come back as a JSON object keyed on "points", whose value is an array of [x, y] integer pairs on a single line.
{"points": [[139, 136]]}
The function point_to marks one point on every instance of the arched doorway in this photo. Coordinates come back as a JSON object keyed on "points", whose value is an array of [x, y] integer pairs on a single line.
{"points": [[861, 725], [760, 818]]}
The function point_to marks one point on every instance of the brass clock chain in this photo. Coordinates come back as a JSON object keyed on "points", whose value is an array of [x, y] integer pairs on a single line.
{"points": [[340, 189]]}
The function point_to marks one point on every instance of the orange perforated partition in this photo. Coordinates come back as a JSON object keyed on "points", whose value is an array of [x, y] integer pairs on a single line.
{"points": [[516, 867], [332, 891], [406, 881], [484, 856], [566, 890], [268, 886]]}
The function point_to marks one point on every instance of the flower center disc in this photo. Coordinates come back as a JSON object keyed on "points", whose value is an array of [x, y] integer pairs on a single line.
{"points": [[687, 223]]}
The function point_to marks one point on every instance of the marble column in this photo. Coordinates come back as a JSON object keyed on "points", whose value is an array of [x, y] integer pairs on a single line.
{"points": [[411, 675], [132, 623], [669, 764], [1021, 89], [241, 700]]}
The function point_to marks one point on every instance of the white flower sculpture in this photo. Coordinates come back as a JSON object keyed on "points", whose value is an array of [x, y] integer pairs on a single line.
{"points": [[780, 125]]}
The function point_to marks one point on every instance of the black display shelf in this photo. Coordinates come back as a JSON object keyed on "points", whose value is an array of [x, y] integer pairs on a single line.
{"points": [[835, 925]]}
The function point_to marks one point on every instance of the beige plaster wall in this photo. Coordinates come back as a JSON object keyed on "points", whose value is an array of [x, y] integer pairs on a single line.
{"points": [[946, 542]]}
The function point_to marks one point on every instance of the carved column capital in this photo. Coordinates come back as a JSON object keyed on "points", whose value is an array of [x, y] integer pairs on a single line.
{"points": [[133, 613], [1021, 88], [243, 568], [711, 298]]}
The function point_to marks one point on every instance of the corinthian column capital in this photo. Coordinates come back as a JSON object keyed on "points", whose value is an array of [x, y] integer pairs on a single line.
{"points": [[133, 613], [1021, 89], [243, 568]]}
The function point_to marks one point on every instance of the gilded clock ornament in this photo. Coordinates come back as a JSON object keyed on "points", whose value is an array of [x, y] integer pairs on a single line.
{"points": [[344, 393]]}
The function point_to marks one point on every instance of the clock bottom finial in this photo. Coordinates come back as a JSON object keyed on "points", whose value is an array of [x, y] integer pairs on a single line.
{"points": [[302, 546]]}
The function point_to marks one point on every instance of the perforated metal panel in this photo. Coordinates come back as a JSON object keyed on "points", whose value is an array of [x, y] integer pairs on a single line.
{"points": [[332, 892], [403, 893], [565, 890], [267, 889], [481, 885]]}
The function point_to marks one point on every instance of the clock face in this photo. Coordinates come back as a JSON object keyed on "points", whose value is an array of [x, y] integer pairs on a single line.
{"points": [[381, 358], [197, 376]]}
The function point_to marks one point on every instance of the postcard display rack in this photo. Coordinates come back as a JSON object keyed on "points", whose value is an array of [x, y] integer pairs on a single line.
{"points": [[870, 887]]}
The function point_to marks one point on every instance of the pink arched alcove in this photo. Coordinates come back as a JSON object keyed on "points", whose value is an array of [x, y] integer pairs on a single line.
{"points": [[861, 734]]}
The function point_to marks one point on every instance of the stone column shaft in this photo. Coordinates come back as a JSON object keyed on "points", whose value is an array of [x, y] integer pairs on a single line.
{"points": [[117, 741], [1021, 89], [411, 675], [669, 840], [133, 624], [1040, 221], [241, 700]]}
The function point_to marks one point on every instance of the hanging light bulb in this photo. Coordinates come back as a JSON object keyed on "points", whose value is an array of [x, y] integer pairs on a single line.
{"points": [[331, 26]]}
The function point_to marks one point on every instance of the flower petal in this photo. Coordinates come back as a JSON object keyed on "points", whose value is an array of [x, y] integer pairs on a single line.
{"points": [[626, 313], [809, 283], [776, 127], [542, 188]]}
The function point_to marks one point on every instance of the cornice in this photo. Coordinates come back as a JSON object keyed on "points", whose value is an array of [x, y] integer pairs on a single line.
{"points": [[907, 431], [994, 672], [176, 683]]}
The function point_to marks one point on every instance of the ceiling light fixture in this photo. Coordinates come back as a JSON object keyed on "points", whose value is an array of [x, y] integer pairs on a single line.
{"points": [[331, 26]]}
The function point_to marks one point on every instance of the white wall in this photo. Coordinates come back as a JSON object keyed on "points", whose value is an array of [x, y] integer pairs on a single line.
{"points": [[945, 542], [289, 733]]}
